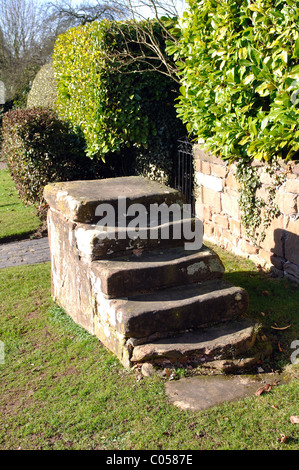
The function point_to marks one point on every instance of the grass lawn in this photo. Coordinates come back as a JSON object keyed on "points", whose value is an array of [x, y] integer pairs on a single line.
{"points": [[61, 389], [16, 220]]}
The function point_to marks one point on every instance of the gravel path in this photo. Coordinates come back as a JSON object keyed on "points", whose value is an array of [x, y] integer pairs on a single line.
{"points": [[24, 252]]}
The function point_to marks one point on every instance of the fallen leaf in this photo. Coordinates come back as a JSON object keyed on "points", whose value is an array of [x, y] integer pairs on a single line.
{"points": [[167, 372], [279, 347], [264, 388], [275, 407], [294, 419], [265, 292], [138, 252], [263, 314], [283, 438], [282, 328]]}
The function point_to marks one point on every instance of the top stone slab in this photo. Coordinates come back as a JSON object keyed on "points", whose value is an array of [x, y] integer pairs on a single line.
{"points": [[78, 200]]}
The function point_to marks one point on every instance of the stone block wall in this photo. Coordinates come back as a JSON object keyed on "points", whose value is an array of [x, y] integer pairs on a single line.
{"points": [[217, 203]]}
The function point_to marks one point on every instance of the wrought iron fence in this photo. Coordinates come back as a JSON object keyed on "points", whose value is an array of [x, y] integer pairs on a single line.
{"points": [[184, 175]]}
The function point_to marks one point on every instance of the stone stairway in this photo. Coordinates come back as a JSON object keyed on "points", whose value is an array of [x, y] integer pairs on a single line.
{"points": [[147, 299]]}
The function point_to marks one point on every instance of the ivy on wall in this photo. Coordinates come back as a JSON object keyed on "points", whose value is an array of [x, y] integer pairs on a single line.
{"points": [[258, 212]]}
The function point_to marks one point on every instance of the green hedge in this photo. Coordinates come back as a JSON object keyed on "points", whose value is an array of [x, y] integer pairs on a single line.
{"points": [[118, 105], [43, 92], [40, 148], [239, 68]]}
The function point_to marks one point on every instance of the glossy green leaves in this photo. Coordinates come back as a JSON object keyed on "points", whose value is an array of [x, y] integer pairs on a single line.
{"points": [[239, 68], [103, 91]]}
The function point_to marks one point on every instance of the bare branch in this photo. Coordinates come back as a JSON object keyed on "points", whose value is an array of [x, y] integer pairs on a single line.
{"points": [[69, 15], [148, 46]]}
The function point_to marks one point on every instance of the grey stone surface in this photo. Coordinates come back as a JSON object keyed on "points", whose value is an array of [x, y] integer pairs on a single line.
{"points": [[24, 252], [94, 242], [151, 296], [204, 344], [203, 392], [179, 308], [78, 200], [158, 269]]}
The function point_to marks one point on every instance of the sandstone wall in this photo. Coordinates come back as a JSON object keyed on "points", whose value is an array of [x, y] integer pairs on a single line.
{"points": [[217, 203]]}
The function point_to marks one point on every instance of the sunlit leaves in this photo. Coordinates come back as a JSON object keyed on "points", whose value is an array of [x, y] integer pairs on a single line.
{"points": [[239, 67], [109, 97]]}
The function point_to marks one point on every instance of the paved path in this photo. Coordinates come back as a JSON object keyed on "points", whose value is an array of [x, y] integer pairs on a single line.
{"points": [[24, 252]]}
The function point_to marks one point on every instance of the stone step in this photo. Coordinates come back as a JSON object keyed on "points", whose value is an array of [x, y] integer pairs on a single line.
{"points": [[172, 310], [79, 201], [224, 341], [94, 242], [146, 271]]}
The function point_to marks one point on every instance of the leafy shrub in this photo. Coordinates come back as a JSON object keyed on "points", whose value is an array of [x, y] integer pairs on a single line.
{"points": [[239, 67], [118, 104], [43, 92], [4, 108], [40, 148]]}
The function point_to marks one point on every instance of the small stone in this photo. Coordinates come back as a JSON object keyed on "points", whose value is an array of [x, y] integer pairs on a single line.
{"points": [[147, 369]]}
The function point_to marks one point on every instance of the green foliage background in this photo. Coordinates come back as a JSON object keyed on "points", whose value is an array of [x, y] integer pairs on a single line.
{"points": [[40, 148], [43, 91], [119, 105], [239, 67]]}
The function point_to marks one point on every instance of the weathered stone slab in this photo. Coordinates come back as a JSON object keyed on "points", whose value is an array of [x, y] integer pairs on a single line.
{"points": [[78, 200], [292, 247], [157, 290], [222, 341], [71, 287], [175, 309], [96, 243], [201, 393], [146, 271]]}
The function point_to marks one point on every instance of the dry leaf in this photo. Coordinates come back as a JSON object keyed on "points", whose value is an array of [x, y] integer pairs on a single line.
{"points": [[279, 347], [294, 419], [138, 252], [264, 388], [283, 328], [283, 438], [265, 292], [168, 372]]}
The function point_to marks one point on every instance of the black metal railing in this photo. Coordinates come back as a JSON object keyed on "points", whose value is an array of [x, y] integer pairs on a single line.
{"points": [[184, 175]]}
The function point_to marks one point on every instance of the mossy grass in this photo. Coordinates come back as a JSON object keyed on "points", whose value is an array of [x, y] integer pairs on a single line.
{"points": [[17, 221], [61, 389]]}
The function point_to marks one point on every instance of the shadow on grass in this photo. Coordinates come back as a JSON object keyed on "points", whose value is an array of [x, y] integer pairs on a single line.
{"points": [[33, 234], [274, 304]]}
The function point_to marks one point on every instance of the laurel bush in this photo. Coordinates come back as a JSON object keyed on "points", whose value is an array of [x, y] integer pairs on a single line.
{"points": [[238, 62]]}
